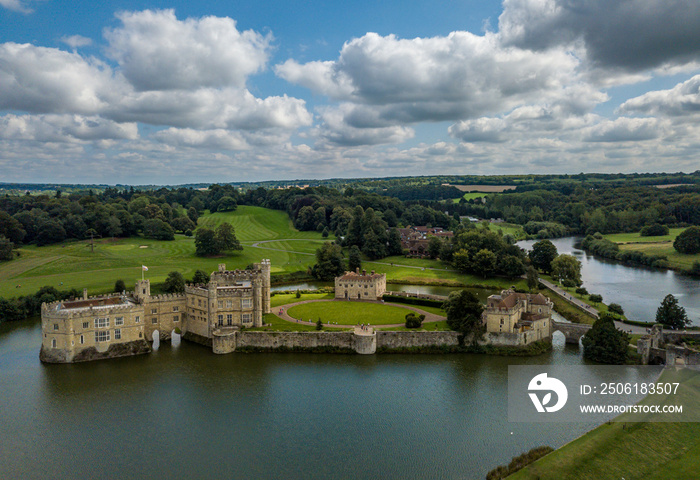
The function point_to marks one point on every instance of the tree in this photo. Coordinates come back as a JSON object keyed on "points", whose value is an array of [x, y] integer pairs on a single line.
{"points": [[226, 204], [484, 262], [688, 241], [319, 324], [119, 286], [372, 246], [50, 231], [200, 277], [182, 224], [354, 259], [175, 283], [532, 278], [225, 238], [325, 232], [567, 268], [671, 314], [604, 343], [542, 254], [434, 247], [6, 247], [511, 266], [329, 262], [414, 321], [464, 313], [205, 242], [595, 298], [394, 243], [157, 229]]}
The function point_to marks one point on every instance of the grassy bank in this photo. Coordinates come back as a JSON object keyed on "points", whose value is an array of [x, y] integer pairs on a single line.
{"points": [[650, 451]]}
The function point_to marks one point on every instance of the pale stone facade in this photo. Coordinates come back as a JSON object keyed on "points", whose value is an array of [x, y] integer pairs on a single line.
{"points": [[360, 286], [121, 324], [525, 313]]}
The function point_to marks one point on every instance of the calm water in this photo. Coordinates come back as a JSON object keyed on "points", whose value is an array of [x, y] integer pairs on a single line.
{"points": [[184, 412], [639, 290]]}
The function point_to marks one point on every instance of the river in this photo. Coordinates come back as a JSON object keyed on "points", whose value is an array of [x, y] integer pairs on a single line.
{"points": [[183, 412], [638, 290]]}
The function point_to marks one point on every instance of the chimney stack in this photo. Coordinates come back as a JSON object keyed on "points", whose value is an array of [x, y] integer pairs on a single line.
{"points": [[85, 295], [364, 272], [357, 270], [372, 272]]}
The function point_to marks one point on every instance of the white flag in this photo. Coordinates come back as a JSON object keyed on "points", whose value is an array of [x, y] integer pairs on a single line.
{"points": [[144, 268]]}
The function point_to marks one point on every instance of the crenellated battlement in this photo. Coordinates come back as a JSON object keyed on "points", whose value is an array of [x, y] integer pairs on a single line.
{"points": [[56, 310], [167, 297]]}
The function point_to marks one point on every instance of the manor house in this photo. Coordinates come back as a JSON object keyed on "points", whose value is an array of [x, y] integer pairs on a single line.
{"points": [[123, 323], [519, 313], [360, 286]]}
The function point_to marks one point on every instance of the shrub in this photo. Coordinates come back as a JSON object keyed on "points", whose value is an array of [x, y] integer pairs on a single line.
{"points": [[298, 294], [414, 321], [688, 241], [616, 308], [595, 298], [319, 325], [582, 291], [655, 230], [119, 286]]}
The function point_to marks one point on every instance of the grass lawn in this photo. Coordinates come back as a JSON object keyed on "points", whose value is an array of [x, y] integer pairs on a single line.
{"points": [[350, 313], [675, 259], [427, 327], [650, 451], [287, 298], [275, 324], [661, 245], [470, 196], [509, 228], [635, 237], [75, 266]]}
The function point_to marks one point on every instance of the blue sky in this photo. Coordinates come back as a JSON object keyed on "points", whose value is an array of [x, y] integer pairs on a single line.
{"points": [[179, 92]]}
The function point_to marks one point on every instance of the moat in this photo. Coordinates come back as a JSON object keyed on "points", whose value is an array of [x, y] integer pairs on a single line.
{"points": [[183, 411]]}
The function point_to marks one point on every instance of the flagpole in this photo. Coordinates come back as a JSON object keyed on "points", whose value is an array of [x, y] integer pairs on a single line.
{"points": [[142, 273]]}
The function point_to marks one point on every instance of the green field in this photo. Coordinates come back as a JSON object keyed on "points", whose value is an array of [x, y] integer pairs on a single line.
{"points": [[649, 451], [350, 313], [661, 245], [471, 196], [75, 266], [509, 228]]}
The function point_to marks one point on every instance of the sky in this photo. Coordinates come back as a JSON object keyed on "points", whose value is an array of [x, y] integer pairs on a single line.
{"points": [[134, 92]]}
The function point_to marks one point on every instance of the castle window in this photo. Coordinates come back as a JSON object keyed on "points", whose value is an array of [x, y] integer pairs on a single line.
{"points": [[101, 322], [199, 302], [229, 319], [102, 336], [247, 317], [221, 304], [365, 294], [86, 324], [192, 301], [55, 326], [176, 318], [119, 320], [175, 309], [501, 321], [82, 339], [539, 310], [53, 343], [246, 303], [137, 319], [117, 333], [154, 320], [229, 303], [154, 310], [221, 319], [140, 334]]}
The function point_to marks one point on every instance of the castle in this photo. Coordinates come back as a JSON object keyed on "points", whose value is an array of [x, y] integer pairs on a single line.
{"points": [[526, 317], [122, 324], [360, 286]]}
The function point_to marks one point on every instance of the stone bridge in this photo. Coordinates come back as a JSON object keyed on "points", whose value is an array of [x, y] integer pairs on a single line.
{"points": [[572, 331]]}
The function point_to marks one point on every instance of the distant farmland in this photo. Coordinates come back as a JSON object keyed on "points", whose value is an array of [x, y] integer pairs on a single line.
{"points": [[483, 188]]}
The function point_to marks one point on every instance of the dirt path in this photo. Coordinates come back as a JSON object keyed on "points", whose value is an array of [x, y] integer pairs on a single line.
{"points": [[429, 317]]}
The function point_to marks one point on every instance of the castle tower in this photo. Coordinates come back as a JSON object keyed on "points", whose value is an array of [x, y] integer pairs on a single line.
{"points": [[265, 267], [143, 290]]}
